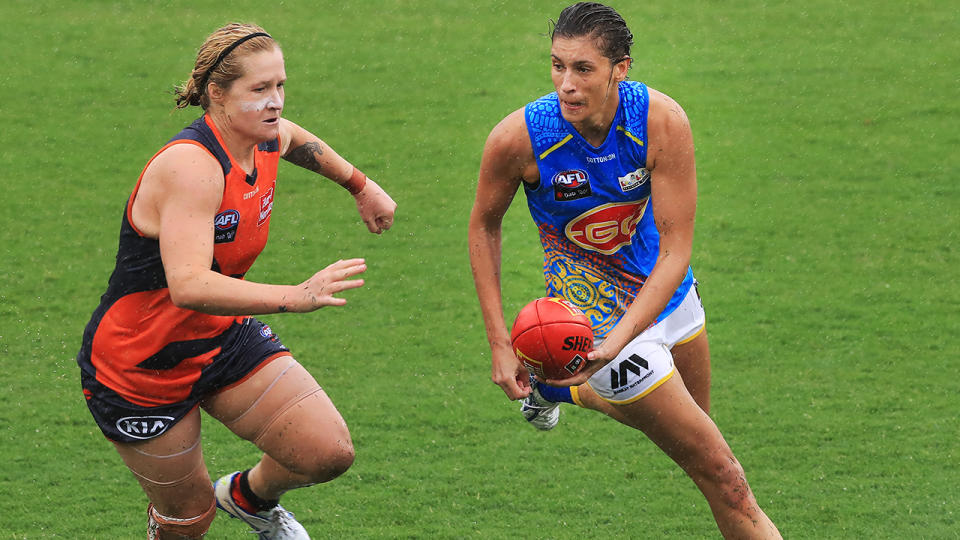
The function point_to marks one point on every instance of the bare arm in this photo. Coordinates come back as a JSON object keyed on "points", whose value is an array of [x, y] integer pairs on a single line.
{"points": [[305, 149], [507, 160], [670, 160], [179, 196]]}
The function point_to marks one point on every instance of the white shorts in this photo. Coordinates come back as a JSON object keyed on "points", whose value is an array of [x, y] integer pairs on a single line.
{"points": [[646, 363]]}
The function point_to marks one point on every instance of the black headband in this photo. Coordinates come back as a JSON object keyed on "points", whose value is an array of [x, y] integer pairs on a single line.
{"points": [[224, 53]]}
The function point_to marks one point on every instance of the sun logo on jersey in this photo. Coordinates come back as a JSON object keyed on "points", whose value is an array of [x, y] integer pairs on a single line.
{"points": [[606, 228]]}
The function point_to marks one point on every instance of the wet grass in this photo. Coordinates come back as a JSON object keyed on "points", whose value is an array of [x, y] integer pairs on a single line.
{"points": [[826, 250]]}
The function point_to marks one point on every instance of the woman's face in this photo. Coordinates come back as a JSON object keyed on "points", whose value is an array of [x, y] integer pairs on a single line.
{"points": [[253, 103], [585, 80]]}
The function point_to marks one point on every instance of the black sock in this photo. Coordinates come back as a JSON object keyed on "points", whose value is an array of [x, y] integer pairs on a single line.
{"points": [[253, 498]]}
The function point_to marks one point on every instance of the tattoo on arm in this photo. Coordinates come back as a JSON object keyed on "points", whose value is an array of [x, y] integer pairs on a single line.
{"points": [[306, 156], [282, 309]]}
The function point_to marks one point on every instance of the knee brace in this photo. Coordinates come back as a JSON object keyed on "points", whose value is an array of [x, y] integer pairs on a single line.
{"points": [[161, 527]]}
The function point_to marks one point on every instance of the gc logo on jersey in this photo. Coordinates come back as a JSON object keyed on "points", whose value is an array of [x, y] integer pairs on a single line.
{"points": [[225, 226], [606, 228], [571, 185]]}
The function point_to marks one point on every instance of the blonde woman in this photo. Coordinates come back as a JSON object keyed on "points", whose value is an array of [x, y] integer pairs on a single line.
{"points": [[174, 331]]}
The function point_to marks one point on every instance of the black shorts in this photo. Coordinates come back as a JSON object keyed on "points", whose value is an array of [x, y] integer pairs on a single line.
{"points": [[244, 348]]}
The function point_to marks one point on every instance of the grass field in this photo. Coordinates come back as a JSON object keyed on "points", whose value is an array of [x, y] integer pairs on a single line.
{"points": [[827, 251]]}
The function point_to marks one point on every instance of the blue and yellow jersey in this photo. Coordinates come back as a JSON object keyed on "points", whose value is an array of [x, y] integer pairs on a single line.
{"points": [[592, 208]]}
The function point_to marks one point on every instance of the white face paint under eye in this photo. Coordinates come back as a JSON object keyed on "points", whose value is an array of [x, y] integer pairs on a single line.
{"points": [[257, 106]]}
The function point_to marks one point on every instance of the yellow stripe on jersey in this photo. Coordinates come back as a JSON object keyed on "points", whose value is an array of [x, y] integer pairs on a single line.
{"points": [[628, 134], [554, 147]]}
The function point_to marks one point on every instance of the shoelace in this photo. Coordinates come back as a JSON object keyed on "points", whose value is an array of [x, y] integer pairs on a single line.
{"points": [[282, 521]]}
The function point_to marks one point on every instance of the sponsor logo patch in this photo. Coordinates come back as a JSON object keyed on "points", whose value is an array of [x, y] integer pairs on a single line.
{"points": [[636, 365], [266, 331], [634, 180], [225, 226], [571, 185], [144, 427], [606, 228], [574, 364], [266, 206]]}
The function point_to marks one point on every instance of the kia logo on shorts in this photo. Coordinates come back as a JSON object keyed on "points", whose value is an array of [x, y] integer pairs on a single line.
{"points": [[606, 228], [144, 427]]}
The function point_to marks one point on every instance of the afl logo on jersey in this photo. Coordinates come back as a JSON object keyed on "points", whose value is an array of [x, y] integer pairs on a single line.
{"points": [[606, 228], [571, 185], [225, 226]]}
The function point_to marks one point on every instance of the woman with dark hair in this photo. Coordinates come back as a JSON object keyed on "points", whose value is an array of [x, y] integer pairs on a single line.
{"points": [[607, 167], [174, 332]]}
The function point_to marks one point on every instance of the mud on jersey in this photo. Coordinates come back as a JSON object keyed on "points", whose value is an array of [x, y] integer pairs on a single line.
{"points": [[592, 208]]}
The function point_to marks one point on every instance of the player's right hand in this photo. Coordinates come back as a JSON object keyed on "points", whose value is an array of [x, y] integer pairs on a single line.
{"points": [[509, 373]]}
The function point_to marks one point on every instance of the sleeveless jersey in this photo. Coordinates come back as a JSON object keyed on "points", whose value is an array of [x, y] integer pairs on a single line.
{"points": [[592, 208], [138, 343]]}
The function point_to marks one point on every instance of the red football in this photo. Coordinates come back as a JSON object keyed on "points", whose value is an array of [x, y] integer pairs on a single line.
{"points": [[551, 337]]}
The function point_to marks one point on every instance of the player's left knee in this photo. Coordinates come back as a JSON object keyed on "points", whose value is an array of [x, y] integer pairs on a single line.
{"points": [[329, 462]]}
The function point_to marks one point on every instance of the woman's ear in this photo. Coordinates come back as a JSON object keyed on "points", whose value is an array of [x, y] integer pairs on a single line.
{"points": [[214, 92], [622, 67]]}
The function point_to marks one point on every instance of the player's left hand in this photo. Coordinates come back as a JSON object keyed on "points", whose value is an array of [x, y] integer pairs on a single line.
{"points": [[596, 359], [376, 208]]}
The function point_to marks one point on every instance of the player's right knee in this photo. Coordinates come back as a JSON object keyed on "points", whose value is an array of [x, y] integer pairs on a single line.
{"points": [[161, 527]]}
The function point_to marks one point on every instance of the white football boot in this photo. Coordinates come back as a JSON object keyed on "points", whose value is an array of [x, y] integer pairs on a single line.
{"points": [[273, 524], [541, 414]]}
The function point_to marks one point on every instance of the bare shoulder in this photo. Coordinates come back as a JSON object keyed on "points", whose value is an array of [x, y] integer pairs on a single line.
{"points": [[508, 149], [668, 128], [184, 177], [184, 165], [510, 135], [287, 131], [665, 113]]}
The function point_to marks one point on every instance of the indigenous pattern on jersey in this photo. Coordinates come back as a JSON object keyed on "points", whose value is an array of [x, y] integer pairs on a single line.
{"points": [[592, 208], [138, 344]]}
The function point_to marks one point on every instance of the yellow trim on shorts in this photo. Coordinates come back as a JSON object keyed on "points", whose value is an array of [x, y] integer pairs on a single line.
{"points": [[693, 337], [562, 142], [638, 397], [575, 395]]}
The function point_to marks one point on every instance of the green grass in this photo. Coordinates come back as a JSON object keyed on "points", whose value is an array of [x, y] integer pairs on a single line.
{"points": [[826, 249]]}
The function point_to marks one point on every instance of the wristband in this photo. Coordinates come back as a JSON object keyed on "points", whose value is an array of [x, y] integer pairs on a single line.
{"points": [[356, 183]]}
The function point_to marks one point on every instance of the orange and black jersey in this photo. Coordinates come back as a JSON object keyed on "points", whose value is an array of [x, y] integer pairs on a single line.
{"points": [[138, 344]]}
